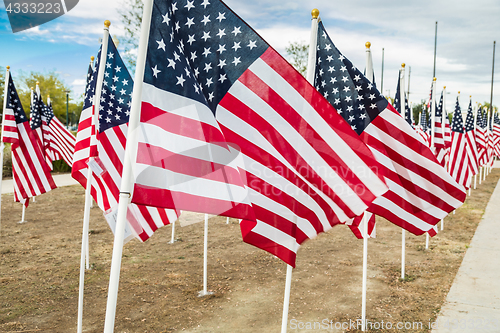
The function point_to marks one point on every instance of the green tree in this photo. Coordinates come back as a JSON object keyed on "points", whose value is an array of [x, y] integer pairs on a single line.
{"points": [[417, 110], [131, 17], [50, 85], [299, 55]]}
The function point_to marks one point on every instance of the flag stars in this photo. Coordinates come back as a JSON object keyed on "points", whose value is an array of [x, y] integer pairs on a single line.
{"points": [[208, 66], [206, 52], [222, 16], [155, 72], [222, 78], [222, 63], [236, 31], [221, 33], [236, 46], [166, 19], [221, 48], [206, 19], [206, 35], [236, 61], [161, 44], [118, 69], [209, 82], [252, 44], [189, 5], [171, 63], [191, 40], [190, 22]]}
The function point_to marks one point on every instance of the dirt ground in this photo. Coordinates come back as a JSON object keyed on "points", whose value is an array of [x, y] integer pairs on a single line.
{"points": [[159, 283]]}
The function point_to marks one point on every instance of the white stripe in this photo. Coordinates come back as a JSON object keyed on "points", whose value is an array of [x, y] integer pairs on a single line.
{"points": [[177, 182], [182, 145], [275, 235], [251, 134], [416, 179], [278, 209], [402, 214], [178, 105], [284, 185], [403, 149], [307, 112], [303, 148], [21, 175]]}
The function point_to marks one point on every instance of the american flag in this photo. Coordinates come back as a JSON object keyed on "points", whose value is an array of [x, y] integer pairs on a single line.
{"points": [[459, 160], [30, 172], [62, 141], [447, 130], [496, 135], [211, 87], [420, 192], [113, 115], [422, 128], [439, 145], [39, 125], [471, 148], [481, 137]]}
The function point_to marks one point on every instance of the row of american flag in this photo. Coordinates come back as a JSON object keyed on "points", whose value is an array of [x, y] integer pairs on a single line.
{"points": [[35, 142], [228, 127]]}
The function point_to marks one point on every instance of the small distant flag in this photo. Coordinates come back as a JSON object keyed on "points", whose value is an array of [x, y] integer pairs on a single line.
{"points": [[459, 160], [30, 172]]}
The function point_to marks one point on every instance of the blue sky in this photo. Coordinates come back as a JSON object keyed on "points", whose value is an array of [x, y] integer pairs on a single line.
{"points": [[405, 30]]}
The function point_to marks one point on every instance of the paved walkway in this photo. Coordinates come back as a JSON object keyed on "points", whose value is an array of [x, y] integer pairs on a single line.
{"points": [[60, 180], [473, 303]]}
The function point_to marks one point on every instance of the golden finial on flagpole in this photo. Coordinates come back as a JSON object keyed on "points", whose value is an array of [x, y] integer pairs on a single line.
{"points": [[31, 88], [92, 58], [403, 65], [37, 83], [444, 87], [8, 67], [459, 92], [434, 79], [315, 13], [368, 44], [107, 23]]}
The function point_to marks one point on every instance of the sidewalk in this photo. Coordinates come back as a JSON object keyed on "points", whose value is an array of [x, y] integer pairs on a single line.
{"points": [[60, 180], [473, 302]]}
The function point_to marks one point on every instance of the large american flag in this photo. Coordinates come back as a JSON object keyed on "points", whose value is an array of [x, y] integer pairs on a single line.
{"points": [[459, 159], [30, 172], [441, 150], [471, 148], [62, 141], [229, 127], [420, 192], [481, 137], [113, 115]]}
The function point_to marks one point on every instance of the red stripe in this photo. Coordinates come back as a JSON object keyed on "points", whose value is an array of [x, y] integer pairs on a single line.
{"points": [[280, 106], [256, 153], [156, 197], [179, 125], [265, 244], [278, 142], [157, 156]]}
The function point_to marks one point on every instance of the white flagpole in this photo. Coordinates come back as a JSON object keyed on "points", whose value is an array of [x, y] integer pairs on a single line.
{"points": [[88, 197], [227, 220], [286, 301], [369, 74], [204, 292], [311, 62], [127, 180], [172, 239], [43, 151], [365, 272], [2, 145], [402, 96], [23, 213], [433, 131]]}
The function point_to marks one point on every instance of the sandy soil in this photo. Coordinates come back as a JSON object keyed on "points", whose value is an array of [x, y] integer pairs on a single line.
{"points": [[39, 271]]}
